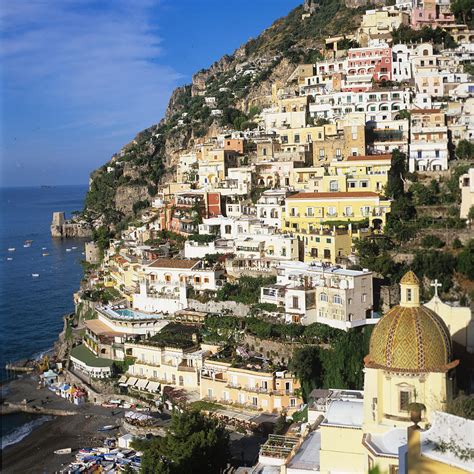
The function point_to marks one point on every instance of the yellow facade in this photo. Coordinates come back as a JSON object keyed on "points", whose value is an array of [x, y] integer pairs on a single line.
{"points": [[250, 388], [342, 450], [409, 361], [356, 173], [329, 245], [306, 211]]}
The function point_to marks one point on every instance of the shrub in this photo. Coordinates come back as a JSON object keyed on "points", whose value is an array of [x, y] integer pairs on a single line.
{"points": [[432, 241]]}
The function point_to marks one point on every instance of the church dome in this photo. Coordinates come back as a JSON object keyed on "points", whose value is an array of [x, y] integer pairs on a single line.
{"points": [[410, 337]]}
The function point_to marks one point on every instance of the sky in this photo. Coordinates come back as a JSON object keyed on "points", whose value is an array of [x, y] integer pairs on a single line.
{"points": [[79, 78]]}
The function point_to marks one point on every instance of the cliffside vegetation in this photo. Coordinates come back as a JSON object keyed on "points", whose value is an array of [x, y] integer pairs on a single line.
{"points": [[129, 181]]}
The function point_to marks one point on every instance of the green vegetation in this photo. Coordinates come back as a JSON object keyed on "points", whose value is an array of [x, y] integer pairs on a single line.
{"points": [[194, 444], [339, 366], [465, 149], [465, 261], [202, 238], [229, 327], [462, 405], [438, 36], [463, 11], [121, 366], [432, 241], [246, 290], [102, 294], [175, 335]]}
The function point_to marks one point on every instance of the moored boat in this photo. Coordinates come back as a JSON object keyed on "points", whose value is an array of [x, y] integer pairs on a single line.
{"points": [[63, 451]]}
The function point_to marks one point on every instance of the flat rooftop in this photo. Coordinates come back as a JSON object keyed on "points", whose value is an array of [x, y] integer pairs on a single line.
{"points": [[307, 456], [83, 354]]}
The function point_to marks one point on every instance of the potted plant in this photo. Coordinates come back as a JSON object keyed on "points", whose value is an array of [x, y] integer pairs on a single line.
{"points": [[415, 410]]}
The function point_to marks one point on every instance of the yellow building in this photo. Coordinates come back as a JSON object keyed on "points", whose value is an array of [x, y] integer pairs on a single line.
{"points": [[250, 385], [330, 244], [355, 173], [306, 211], [409, 360]]}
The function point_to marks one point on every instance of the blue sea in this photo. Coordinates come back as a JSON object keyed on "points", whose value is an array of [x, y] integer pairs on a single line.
{"points": [[31, 308]]}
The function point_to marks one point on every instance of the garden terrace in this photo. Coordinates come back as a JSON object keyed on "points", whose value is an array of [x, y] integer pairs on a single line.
{"points": [[176, 335]]}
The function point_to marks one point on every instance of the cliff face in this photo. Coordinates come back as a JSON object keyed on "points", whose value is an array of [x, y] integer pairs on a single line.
{"points": [[129, 180]]}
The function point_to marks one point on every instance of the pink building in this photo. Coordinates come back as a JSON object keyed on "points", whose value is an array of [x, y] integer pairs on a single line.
{"points": [[373, 62], [430, 14]]}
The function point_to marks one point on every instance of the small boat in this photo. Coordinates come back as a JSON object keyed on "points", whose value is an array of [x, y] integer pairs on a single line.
{"points": [[108, 428], [35, 275], [9, 259], [68, 250], [45, 254], [27, 243], [63, 451], [11, 249], [74, 248], [43, 248]]}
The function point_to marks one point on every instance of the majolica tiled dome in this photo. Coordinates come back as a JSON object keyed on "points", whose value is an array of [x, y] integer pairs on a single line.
{"points": [[410, 339]]}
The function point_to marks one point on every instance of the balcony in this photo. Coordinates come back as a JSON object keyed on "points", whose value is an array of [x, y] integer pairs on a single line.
{"points": [[186, 368], [234, 385], [255, 389]]}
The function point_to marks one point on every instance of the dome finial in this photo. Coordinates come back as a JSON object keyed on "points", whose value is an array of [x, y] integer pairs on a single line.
{"points": [[409, 290]]}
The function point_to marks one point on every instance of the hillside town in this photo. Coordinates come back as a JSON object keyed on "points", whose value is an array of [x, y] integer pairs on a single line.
{"points": [[308, 267]]}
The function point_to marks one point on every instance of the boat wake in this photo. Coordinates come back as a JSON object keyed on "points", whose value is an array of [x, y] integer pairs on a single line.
{"points": [[23, 431]]}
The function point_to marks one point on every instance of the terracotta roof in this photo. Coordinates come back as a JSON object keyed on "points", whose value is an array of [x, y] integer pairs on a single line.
{"points": [[369, 158], [173, 263], [425, 111], [341, 195]]}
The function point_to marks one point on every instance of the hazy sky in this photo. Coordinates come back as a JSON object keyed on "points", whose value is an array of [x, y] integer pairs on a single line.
{"points": [[79, 78]]}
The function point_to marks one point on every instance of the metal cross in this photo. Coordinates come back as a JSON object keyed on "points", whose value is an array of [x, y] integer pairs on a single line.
{"points": [[436, 285]]}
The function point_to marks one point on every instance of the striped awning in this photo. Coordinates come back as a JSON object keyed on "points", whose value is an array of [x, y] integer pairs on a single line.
{"points": [[132, 381], [153, 386], [141, 384]]}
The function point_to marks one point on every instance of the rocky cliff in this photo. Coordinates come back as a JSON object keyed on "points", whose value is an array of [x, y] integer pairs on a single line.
{"points": [[70, 229], [128, 182]]}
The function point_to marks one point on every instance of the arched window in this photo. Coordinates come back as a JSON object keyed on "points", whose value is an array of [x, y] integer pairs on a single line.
{"points": [[337, 299], [323, 297]]}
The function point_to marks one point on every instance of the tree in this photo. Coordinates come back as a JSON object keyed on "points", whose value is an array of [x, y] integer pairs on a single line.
{"points": [[466, 260], [396, 174], [465, 150], [462, 10], [307, 365], [432, 241], [194, 444]]}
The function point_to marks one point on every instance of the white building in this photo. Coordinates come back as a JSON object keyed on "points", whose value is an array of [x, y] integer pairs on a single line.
{"points": [[325, 294], [269, 207]]}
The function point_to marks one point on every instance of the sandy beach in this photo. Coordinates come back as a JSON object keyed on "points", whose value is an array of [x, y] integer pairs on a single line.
{"points": [[35, 453]]}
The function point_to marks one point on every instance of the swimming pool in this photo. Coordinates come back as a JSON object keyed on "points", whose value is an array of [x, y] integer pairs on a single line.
{"points": [[132, 314]]}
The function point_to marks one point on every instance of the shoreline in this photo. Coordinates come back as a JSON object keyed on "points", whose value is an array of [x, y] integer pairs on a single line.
{"points": [[34, 453]]}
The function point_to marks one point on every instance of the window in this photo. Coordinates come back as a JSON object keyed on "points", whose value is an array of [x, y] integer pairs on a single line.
{"points": [[348, 211], [310, 212], [209, 393], [327, 254], [314, 253], [264, 152], [331, 211], [206, 280], [295, 302], [409, 295], [337, 299], [323, 297], [404, 400], [364, 297], [254, 401], [321, 153], [297, 138], [333, 186], [292, 402], [225, 395]]}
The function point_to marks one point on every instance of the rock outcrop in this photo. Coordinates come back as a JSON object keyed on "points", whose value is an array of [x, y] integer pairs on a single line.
{"points": [[69, 228]]}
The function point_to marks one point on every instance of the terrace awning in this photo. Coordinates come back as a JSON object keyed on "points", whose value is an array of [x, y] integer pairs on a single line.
{"points": [[141, 384], [153, 387], [122, 379], [132, 381]]}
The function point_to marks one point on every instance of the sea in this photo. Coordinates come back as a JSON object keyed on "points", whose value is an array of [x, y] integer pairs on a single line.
{"points": [[36, 290]]}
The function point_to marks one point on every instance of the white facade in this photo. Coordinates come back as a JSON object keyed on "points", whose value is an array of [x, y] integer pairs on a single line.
{"points": [[315, 293]]}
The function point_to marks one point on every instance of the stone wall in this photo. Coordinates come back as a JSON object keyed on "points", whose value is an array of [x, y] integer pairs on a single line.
{"points": [[276, 351], [237, 309]]}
